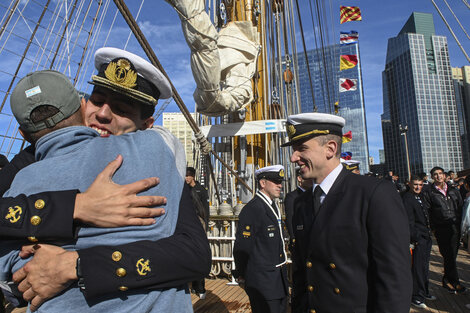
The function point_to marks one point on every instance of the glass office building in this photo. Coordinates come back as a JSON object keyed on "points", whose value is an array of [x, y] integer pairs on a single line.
{"points": [[461, 77], [418, 95], [325, 73]]}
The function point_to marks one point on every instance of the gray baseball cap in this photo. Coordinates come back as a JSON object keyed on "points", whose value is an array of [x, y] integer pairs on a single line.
{"points": [[39, 88]]}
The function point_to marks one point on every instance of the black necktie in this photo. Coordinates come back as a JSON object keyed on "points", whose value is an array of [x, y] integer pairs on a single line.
{"points": [[316, 200]]}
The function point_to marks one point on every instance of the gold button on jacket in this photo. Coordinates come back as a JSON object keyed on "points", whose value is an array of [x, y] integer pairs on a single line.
{"points": [[313, 311], [337, 291], [309, 264], [123, 288], [39, 204], [35, 220], [310, 288], [116, 256], [332, 266], [121, 272]]}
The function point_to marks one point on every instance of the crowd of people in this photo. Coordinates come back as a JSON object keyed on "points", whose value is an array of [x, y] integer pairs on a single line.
{"points": [[85, 229]]}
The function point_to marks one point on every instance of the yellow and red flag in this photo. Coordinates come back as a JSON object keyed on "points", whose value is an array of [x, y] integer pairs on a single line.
{"points": [[347, 61], [348, 14], [347, 137]]}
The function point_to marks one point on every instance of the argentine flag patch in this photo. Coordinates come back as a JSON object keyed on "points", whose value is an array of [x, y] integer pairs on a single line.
{"points": [[33, 91]]}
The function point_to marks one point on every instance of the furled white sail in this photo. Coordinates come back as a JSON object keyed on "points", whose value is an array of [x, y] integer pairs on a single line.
{"points": [[222, 63]]}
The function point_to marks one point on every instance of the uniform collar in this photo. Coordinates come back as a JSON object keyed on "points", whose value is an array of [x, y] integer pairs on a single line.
{"points": [[264, 196], [329, 180]]}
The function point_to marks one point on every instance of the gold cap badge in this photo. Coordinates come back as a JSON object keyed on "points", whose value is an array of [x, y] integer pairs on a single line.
{"points": [[120, 72], [290, 130]]}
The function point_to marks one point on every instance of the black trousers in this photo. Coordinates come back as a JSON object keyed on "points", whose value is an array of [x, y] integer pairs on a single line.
{"points": [[420, 268], [260, 305], [199, 286], [448, 240]]}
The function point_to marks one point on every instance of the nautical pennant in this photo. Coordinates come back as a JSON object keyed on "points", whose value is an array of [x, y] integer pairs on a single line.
{"points": [[347, 137], [346, 84], [346, 155], [348, 38], [348, 14], [347, 61]]}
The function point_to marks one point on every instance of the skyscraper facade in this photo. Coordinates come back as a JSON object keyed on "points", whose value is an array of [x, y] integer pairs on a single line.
{"points": [[325, 73], [461, 77], [419, 101], [177, 124]]}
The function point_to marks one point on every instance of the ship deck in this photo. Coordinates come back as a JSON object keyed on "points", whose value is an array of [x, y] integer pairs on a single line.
{"points": [[222, 298]]}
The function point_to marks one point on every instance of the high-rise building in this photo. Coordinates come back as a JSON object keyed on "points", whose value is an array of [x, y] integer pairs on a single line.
{"points": [[461, 77], [325, 73], [179, 127], [381, 156], [419, 101]]}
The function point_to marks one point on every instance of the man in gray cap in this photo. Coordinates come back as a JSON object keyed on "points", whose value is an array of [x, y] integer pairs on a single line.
{"points": [[259, 249], [46, 106], [109, 98], [351, 231]]}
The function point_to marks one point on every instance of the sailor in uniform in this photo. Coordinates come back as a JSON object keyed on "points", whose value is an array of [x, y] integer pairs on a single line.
{"points": [[259, 250], [352, 236]]}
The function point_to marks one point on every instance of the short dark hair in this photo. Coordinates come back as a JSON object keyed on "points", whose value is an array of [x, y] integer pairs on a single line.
{"points": [[422, 175], [436, 168], [190, 171], [467, 180], [415, 177]]}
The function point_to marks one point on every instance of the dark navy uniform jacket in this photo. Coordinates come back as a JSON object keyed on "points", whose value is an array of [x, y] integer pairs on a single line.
{"points": [[183, 257], [259, 248], [418, 216], [354, 255]]}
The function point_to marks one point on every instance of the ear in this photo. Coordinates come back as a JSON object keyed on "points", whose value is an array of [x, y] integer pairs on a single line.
{"points": [[262, 183], [331, 148], [25, 135], [148, 123]]}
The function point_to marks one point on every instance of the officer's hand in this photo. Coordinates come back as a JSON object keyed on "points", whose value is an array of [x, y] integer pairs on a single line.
{"points": [[51, 270], [106, 204]]}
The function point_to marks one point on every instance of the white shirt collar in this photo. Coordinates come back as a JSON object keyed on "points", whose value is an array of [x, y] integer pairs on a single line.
{"points": [[262, 194], [329, 180]]}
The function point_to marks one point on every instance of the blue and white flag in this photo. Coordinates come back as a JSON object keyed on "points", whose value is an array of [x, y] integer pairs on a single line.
{"points": [[347, 38]]}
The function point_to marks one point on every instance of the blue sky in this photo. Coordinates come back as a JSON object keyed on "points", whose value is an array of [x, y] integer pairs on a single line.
{"points": [[381, 20]]}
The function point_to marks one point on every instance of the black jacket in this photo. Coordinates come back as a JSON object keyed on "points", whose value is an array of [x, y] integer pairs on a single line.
{"points": [[202, 207], [354, 255], [418, 217], [444, 210], [258, 249], [289, 208]]}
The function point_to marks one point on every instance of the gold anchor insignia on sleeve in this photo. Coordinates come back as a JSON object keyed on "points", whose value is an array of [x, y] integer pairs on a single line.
{"points": [[143, 267], [14, 215]]}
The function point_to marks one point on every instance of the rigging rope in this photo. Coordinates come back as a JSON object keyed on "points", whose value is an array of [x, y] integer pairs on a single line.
{"points": [[24, 54], [136, 18], [458, 21], [450, 29], [154, 60], [306, 56]]}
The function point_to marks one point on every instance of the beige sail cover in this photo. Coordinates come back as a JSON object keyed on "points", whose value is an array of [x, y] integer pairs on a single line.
{"points": [[222, 63]]}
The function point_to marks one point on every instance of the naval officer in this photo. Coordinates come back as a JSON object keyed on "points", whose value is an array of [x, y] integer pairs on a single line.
{"points": [[351, 231], [259, 250]]}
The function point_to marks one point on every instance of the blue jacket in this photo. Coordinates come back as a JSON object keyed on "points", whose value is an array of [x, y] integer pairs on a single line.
{"points": [[71, 158]]}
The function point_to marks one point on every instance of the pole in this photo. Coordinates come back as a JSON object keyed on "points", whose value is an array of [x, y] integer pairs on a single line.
{"points": [[403, 131]]}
